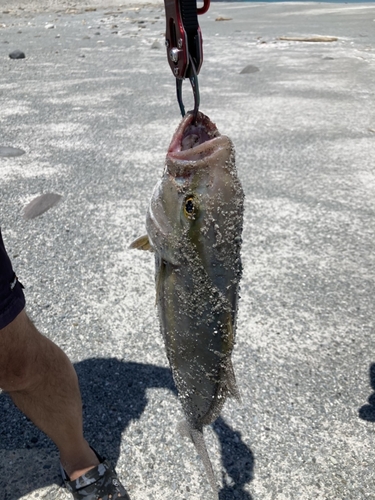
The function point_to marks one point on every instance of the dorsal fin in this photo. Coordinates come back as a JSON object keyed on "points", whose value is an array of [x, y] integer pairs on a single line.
{"points": [[230, 382], [230, 378]]}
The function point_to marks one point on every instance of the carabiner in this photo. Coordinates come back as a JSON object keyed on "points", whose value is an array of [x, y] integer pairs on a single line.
{"points": [[183, 39]]}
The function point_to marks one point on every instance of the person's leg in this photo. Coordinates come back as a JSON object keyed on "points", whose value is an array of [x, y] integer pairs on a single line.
{"points": [[43, 384]]}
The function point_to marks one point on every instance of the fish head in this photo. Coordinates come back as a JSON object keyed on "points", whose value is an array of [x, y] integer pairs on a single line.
{"points": [[198, 197]]}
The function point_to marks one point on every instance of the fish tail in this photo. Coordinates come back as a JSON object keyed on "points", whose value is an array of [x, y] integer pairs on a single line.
{"points": [[196, 435]]}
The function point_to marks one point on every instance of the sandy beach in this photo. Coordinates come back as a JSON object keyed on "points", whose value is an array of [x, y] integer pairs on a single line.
{"points": [[24, 7], [93, 106]]}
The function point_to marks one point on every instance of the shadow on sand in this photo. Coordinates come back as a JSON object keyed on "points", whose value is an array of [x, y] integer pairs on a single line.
{"points": [[113, 394], [367, 412]]}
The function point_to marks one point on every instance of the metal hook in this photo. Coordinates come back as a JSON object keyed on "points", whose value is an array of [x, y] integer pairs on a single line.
{"points": [[193, 77], [195, 86], [179, 95]]}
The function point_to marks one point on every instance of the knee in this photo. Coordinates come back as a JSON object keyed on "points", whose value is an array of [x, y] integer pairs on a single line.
{"points": [[19, 356]]}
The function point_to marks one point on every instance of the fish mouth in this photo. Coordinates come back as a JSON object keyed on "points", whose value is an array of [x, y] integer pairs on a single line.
{"points": [[195, 140]]}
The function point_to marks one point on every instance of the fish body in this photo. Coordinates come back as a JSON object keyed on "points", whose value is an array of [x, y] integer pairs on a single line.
{"points": [[194, 226]]}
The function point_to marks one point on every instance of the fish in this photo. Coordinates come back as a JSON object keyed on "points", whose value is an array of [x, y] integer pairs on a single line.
{"points": [[194, 228]]}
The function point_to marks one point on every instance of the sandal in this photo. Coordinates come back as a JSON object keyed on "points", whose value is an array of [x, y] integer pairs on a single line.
{"points": [[101, 482]]}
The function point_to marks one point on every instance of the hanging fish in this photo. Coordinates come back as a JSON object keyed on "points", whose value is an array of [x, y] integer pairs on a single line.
{"points": [[194, 226]]}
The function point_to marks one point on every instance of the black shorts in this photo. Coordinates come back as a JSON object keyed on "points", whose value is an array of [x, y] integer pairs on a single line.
{"points": [[12, 299]]}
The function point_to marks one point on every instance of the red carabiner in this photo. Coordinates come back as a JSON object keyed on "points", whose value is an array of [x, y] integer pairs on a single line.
{"points": [[183, 40]]}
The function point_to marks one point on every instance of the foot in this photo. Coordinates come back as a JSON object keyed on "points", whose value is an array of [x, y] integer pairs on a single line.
{"points": [[100, 481], [77, 464]]}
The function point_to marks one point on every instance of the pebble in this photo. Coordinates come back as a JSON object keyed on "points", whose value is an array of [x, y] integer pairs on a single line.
{"points": [[249, 69], [156, 45], [40, 204], [49, 26], [9, 152], [17, 54]]}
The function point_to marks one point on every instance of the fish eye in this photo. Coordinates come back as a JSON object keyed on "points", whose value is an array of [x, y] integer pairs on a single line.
{"points": [[190, 207]]}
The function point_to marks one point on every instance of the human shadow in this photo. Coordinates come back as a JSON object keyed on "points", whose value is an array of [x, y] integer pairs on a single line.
{"points": [[367, 412], [114, 394], [237, 460]]}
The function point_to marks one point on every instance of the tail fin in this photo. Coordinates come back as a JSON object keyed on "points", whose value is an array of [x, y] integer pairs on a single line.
{"points": [[196, 435]]}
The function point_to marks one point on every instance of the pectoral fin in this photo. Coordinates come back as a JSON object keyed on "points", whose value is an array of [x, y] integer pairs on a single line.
{"points": [[142, 243]]}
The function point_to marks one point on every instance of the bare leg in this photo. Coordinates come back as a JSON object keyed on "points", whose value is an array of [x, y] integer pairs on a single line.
{"points": [[43, 384]]}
